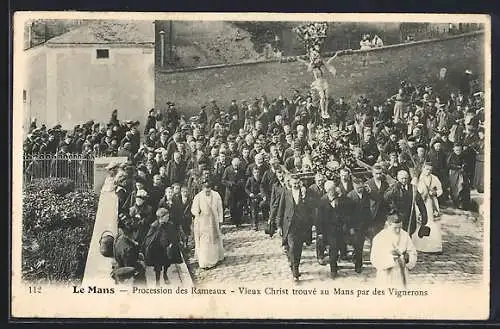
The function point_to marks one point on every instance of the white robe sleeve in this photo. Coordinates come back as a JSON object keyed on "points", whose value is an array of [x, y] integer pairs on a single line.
{"points": [[381, 254], [412, 252], [220, 210], [195, 208], [438, 185]]}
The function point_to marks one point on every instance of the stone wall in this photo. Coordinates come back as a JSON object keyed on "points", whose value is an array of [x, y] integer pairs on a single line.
{"points": [[419, 63]]}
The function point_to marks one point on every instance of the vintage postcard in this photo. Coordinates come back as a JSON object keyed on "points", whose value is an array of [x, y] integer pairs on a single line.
{"points": [[251, 166]]}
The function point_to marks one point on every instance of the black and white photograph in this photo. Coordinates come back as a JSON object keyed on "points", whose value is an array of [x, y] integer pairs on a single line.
{"points": [[258, 166]]}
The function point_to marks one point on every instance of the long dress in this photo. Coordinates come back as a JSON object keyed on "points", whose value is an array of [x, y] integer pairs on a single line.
{"points": [[398, 108], [433, 242], [208, 212], [389, 272]]}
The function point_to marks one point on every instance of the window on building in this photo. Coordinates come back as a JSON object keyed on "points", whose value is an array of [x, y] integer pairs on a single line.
{"points": [[102, 53], [25, 97]]}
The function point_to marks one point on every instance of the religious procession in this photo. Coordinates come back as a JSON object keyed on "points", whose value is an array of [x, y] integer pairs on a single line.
{"points": [[283, 169], [308, 168]]}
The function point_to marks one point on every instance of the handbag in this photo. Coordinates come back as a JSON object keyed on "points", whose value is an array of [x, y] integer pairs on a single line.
{"points": [[106, 244]]}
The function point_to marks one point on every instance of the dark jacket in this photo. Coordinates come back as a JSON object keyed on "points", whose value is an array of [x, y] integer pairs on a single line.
{"points": [[292, 217], [274, 201], [359, 211], [316, 194], [331, 220], [142, 217], [161, 245], [378, 205], [175, 172], [234, 182], [401, 203]]}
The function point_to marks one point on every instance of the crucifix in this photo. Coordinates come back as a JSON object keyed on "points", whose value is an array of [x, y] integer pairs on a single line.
{"points": [[313, 35]]}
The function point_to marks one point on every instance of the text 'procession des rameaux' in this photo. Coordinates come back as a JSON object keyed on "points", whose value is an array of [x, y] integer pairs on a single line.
{"points": [[253, 291]]}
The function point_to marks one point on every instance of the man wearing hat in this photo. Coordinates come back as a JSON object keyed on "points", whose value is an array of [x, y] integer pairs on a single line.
{"points": [[213, 113], [393, 254], [458, 178], [151, 121], [233, 108], [465, 82], [114, 118], [141, 215], [437, 158], [129, 261], [369, 147]]}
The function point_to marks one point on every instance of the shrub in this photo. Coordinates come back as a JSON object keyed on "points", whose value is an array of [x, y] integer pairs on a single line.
{"points": [[57, 229], [61, 186], [56, 256]]}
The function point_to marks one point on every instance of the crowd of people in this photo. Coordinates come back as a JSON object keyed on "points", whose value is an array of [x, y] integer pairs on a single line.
{"points": [[367, 42], [284, 169]]}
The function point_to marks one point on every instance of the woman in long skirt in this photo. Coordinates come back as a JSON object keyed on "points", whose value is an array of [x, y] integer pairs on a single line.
{"points": [[479, 163], [430, 189], [208, 214]]}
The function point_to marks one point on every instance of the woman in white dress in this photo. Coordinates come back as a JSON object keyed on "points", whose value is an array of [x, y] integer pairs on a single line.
{"points": [[208, 214], [430, 189]]}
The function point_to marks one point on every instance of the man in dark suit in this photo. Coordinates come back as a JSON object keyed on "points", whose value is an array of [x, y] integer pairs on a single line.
{"points": [[316, 191], [437, 157], [369, 147], [259, 164], [183, 217], [253, 191], [234, 179], [402, 198], [377, 185], [274, 201], [359, 219], [345, 180], [395, 165], [176, 170], [293, 216], [331, 216], [345, 184]]}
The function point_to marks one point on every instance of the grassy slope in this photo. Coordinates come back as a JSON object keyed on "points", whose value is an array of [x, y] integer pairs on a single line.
{"points": [[419, 63], [201, 43]]}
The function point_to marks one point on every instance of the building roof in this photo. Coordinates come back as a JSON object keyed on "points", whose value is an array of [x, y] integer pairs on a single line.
{"points": [[109, 32]]}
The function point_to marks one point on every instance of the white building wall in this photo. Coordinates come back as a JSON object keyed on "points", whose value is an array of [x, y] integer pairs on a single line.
{"points": [[34, 84], [82, 87]]}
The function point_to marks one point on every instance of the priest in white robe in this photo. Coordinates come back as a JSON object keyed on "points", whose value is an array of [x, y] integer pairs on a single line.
{"points": [[208, 215], [430, 189], [393, 255]]}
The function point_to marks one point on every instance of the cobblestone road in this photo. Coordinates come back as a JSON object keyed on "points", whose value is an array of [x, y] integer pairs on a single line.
{"points": [[254, 257]]}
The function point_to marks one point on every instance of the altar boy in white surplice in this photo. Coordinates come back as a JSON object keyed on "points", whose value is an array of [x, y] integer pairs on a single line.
{"points": [[393, 254]]}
